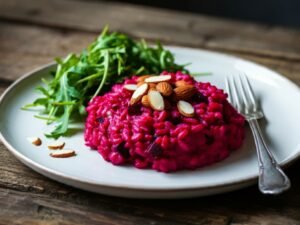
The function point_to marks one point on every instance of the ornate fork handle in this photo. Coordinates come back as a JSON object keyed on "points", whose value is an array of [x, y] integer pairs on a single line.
{"points": [[272, 179]]}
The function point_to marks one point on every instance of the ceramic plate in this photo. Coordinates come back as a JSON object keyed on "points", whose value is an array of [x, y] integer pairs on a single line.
{"points": [[279, 99]]}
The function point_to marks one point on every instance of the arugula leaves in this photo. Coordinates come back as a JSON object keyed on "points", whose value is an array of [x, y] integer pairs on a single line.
{"points": [[78, 78]]}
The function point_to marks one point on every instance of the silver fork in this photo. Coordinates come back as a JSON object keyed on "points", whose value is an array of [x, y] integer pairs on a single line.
{"points": [[272, 179]]}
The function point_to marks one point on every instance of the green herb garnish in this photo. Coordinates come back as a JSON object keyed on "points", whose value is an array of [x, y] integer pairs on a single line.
{"points": [[78, 78]]}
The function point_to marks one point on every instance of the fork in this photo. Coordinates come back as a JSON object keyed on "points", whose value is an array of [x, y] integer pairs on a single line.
{"points": [[271, 179]]}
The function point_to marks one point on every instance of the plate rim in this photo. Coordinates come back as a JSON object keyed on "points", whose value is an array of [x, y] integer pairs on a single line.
{"points": [[45, 170]]}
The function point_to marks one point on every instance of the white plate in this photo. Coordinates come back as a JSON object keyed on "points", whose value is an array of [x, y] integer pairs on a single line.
{"points": [[280, 102]]}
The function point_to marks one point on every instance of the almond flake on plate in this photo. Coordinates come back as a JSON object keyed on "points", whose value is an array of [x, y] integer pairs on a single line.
{"points": [[185, 108], [157, 79], [56, 145], [62, 154]]}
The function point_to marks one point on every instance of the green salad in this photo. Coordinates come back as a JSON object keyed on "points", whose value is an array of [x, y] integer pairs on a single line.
{"points": [[106, 61]]}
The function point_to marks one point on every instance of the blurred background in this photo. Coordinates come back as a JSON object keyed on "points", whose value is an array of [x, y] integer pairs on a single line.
{"points": [[274, 12]]}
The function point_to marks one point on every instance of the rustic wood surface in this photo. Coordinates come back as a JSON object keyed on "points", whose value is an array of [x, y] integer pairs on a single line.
{"points": [[33, 32]]}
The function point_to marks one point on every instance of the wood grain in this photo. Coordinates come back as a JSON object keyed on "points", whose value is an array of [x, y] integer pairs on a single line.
{"points": [[33, 32], [26, 47], [48, 202], [168, 26]]}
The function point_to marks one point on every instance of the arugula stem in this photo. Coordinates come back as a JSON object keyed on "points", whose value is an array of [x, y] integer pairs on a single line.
{"points": [[45, 118], [63, 103], [106, 67], [51, 113], [93, 76]]}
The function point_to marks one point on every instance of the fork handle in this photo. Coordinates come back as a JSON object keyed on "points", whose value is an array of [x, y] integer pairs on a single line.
{"points": [[272, 179]]}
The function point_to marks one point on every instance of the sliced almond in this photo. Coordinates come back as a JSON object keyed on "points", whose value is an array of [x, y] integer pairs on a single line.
{"points": [[130, 87], [157, 79], [138, 93], [35, 141], [140, 83], [142, 78], [145, 101], [156, 100], [184, 92], [164, 88], [180, 83], [185, 108], [151, 85], [63, 153], [56, 145]]}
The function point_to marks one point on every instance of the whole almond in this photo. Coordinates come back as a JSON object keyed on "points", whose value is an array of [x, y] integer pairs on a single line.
{"points": [[185, 108], [164, 88], [142, 78], [180, 83], [156, 100], [62, 153], [145, 101], [138, 93], [184, 92]]}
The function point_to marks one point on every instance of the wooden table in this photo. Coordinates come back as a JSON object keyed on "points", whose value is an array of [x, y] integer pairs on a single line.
{"points": [[33, 32]]}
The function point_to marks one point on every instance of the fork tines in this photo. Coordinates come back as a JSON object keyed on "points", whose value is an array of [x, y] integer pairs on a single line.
{"points": [[240, 94]]}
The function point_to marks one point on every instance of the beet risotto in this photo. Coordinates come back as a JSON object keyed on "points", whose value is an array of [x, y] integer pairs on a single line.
{"points": [[169, 122]]}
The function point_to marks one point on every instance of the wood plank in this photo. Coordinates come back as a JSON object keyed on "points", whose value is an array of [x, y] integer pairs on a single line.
{"points": [[25, 47], [86, 208], [45, 210], [29, 198], [49, 202], [290, 70], [168, 26]]}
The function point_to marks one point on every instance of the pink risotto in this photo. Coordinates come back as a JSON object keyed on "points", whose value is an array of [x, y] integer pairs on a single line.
{"points": [[164, 140]]}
